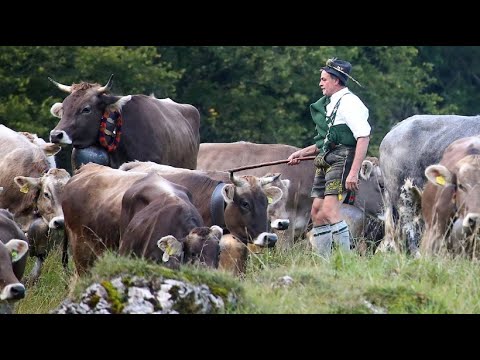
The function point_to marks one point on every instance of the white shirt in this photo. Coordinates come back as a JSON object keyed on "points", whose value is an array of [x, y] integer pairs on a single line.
{"points": [[351, 111]]}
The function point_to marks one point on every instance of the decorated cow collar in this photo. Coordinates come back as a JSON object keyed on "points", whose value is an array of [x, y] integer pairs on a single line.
{"points": [[110, 125]]}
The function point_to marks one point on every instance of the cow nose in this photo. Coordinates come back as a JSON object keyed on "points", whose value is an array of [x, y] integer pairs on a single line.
{"points": [[56, 136], [471, 222], [58, 222], [17, 291], [280, 224], [13, 292], [266, 239]]}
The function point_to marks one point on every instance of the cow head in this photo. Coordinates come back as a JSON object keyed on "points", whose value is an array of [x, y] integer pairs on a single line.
{"points": [[81, 112], [200, 246], [48, 190], [277, 211], [11, 252], [465, 178], [247, 200], [369, 196]]}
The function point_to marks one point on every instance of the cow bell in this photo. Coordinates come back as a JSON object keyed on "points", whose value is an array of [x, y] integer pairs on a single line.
{"points": [[93, 154]]}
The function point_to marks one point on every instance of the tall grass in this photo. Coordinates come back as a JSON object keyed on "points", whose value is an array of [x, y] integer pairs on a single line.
{"points": [[345, 283]]}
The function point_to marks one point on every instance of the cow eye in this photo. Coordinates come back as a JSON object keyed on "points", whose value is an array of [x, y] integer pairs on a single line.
{"points": [[47, 195], [245, 205], [461, 187], [86, 110]]}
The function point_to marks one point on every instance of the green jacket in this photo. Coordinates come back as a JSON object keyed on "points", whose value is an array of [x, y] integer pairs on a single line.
{"points": [[338, 134]]}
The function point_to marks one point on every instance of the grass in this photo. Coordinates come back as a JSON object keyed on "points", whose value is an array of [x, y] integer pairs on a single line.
{"points": [[344, 284]]}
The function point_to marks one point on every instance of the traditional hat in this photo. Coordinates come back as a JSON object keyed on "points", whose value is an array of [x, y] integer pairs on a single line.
{"points": [[339, 68]]}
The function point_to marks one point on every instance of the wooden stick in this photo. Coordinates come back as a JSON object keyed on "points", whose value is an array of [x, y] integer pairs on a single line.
{"points": [[247, 167]]}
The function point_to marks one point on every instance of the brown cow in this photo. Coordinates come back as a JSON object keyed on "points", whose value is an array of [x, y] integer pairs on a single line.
{"points": [[451, 197], [21, 156], [277, 212], [92, 207], [32, 187], [157, 216], [239, 206], [141, 128], [13, 247]]}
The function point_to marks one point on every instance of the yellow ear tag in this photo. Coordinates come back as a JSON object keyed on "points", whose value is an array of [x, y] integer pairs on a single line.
{"points": [[340, 197], [270, 200], [170, 250], [14, 255], [24, 189], [440, 180]]}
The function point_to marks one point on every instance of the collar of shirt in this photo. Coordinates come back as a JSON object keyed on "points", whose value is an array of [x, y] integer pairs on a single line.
{"points": [[334, 99]]}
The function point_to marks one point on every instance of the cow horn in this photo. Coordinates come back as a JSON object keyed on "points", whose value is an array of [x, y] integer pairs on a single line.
{"points": [[268, 179], [107, 87], [61, 86], [236, 180]]}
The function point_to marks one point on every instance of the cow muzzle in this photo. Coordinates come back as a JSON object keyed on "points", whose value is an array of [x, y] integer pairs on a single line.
{"points": [[471, 223], [280, 224], [266, 239], [59, 137], [13, 292], [58, 222]]}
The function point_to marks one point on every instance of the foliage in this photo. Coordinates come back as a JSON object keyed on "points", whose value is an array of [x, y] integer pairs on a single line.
{"points": [[251, 93]]}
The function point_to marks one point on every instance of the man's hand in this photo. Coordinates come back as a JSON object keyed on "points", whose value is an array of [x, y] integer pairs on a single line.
{"points": [[293, 159], [352, 182]]}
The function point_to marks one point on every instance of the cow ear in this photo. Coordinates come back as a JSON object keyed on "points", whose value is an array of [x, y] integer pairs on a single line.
{"points": [[273, 194], [216, 231], [26, 183], [17, 249], [51, 149], [170, 247], [227, 192], [115, 103], [438, 175], [57, 110], [366, 169]]}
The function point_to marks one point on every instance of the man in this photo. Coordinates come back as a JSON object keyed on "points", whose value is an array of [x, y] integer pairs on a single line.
{"points": [[343, 134]]}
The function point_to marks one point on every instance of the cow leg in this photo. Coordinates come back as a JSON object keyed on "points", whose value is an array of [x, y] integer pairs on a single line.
{"points": [[65, 251]]}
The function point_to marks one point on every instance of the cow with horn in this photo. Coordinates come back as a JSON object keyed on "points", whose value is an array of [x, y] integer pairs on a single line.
{"points": [[111, 130]]}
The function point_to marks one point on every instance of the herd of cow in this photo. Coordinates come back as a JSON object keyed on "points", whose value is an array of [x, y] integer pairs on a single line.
{"points": [[144, 185]]}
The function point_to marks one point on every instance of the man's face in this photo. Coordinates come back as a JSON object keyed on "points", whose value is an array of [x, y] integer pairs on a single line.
{"points": [[328, 83]]}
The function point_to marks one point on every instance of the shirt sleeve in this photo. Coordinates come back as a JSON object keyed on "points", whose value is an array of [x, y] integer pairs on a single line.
{"points": [[355, 114]]}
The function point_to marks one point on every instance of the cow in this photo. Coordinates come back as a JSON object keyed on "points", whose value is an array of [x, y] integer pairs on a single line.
{"points": [[13, 248], [20, 156], [47, 193], [31, 187], [239, 206], [276, 211], [411, 146], [159, 222], [225, 156], [117, 129], [451, 201], [93, 197]]}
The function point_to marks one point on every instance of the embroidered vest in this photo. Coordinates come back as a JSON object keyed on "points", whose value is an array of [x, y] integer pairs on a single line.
{"points": [[327, 132]]}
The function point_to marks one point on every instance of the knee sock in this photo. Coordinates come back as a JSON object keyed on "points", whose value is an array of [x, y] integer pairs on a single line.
{"points": [[322, 239], [341, 235]]}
